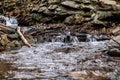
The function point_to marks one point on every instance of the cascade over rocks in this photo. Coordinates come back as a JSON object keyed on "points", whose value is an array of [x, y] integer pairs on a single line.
{"points": [[30, 12]]}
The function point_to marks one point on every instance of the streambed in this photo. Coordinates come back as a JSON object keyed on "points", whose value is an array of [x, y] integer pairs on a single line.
{"points": [[52, 60], [59, 56]]}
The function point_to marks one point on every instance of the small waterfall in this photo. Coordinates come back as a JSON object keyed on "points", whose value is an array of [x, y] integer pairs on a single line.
{"points": [[75, 39], [65, 37], [68, 37], [10, 21], [58, 38], [91, 38]]}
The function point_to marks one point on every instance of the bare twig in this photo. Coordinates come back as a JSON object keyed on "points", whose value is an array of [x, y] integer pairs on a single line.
{"points": [[22, 37]]}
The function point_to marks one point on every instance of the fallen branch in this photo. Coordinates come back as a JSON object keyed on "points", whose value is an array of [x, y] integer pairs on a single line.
{"points": [[22, 37], [114, 40]]}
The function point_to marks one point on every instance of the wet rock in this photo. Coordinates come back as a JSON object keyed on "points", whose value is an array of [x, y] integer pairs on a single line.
{"points": [[71, 4], [115, 39], [79, 1], [52, 7], [98, 24], [13, 45], [86, 1], [79, 19], [81, 37], [13, 36], [74, 19], [115, 52], [35, 9], [85, 75], [37, 17], [10, 40], [116, 31], [110, 2], [53, 1], [69, 20], [87, 7], [31, 40], [42, 9], [2, 48], [61, 11], [102, 37], [67, 39]]}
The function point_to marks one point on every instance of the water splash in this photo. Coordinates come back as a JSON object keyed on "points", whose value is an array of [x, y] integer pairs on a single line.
{"points": [[75, 39], [91, 38], [65, 37], [10, 21]]}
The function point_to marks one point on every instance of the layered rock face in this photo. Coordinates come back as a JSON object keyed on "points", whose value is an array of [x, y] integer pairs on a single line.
{"points": [[67, 11]]}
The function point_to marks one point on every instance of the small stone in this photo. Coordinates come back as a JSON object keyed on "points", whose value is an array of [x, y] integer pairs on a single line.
{"points": [[41, 9], [36, 8], [53, 1], [74, 19], [48, 12], [86, 1], [87, 7], [79, 19], [52, 7], [13, 36], [14, 43], [69, 20], [71, 4], [61, 11], [110, 2]]}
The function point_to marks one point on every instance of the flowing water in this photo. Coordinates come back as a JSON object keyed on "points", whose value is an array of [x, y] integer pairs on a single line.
{"points": [[10, 21], [52, 60]]}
